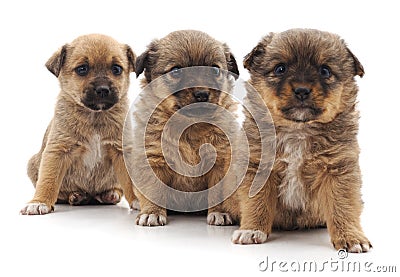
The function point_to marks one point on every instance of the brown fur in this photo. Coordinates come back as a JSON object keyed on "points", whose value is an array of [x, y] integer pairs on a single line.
{"points": [[315, 180], [180, 49], [81, 159]]}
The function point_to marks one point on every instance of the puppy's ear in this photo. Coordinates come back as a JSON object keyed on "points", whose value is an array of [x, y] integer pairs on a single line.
{"points": [[249, 59], [231, 61], [131, 58], [56, 62], [145, 61], [141, 63], [358, 68]]}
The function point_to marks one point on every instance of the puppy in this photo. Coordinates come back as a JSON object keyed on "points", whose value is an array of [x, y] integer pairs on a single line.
{"points": [[162, 100], [81, 158], [306, 78]]}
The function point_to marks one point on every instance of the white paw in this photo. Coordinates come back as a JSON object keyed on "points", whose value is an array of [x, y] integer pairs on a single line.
{"points": [[151, 220], [135, 205], [35, 208], [219, 219], [249, 237], [359, 248]]}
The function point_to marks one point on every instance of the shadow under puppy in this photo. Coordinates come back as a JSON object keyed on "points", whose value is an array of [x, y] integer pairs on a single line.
{"points": [[306, 78], [81, 158], [173, 151]]}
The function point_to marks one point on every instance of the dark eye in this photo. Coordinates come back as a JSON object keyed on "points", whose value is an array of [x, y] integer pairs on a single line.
{"points": [[82, 70], [215, 70], [325, 71], [176, 72], [116, 69], [280, 69]]}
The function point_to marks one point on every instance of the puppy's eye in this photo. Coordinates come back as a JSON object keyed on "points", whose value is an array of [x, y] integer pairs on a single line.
{"points": [[176, 72], [82, 70], [325, 71], [215, 70], [280, 69], [116, 69]]}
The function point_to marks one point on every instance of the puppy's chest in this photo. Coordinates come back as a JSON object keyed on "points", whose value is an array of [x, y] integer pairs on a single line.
{"points": [[207, 143], [94, 152], [293, 152]]}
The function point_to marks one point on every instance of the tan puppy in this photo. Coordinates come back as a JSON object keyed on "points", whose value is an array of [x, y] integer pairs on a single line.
{"points": [[171, 55], [306, 78], [81, 157]]}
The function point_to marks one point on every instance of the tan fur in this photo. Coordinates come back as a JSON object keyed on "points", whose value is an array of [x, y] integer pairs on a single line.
{"points": [[81, 158], [180, 49], [315, 180]]}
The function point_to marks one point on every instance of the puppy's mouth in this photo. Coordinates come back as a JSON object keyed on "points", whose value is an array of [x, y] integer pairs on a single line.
{"points": [[99, 106], [198, 110], [100, 99], [302, 113]]}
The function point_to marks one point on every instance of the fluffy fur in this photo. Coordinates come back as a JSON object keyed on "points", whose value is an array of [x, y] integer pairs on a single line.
{"points": [[180, 49], [81, 159], [306, 78]]}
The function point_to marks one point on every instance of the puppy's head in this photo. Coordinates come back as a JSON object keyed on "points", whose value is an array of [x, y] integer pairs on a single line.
{"points": [[183, 49], [93, 70], [304, 75]]}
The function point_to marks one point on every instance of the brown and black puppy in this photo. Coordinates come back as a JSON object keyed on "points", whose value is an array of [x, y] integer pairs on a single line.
{"points": [[167, 60], [81, 158], [306, 78]]}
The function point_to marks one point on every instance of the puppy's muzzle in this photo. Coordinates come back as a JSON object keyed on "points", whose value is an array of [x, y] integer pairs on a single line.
{"points": [[100, 96], [201, 95]]}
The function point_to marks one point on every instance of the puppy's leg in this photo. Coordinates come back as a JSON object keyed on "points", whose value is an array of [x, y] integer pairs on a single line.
{"points": [[342, 209], [151, 214], [56, 159], [257, 213], [34, 162], [33, 168], [122, 174], [218, 215]]}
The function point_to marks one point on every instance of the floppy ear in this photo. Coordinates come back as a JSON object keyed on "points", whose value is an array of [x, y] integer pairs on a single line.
{"points": [[144, 61], [141, 63], [56, 62], [358, 68], [231, 61], [249, 59], [131, 58]]}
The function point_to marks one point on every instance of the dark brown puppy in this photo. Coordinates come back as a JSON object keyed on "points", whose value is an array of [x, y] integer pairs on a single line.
{"points": [[81, 157], [306, 78], [171, 55]]}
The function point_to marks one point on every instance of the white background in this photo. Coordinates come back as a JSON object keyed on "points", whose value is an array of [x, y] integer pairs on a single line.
{"points": [[77, 241]]}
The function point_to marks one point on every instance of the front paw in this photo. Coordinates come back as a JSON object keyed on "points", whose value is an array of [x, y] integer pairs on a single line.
{"points": [[249, 237], [36, 209], [151, 219], [353, 242], [219, 219]]}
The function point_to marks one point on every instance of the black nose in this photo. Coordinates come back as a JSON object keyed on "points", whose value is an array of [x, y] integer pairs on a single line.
{"points": [[302, 93], [102, 91], [201, 96]]}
